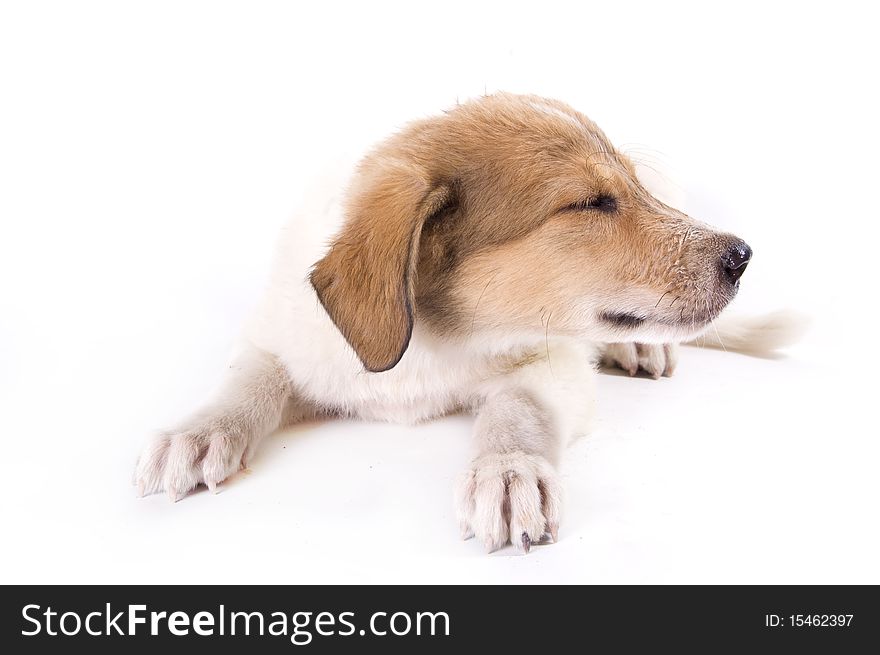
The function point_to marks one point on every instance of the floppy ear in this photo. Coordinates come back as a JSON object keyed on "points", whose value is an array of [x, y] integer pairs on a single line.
{"points": [[365, 282]]}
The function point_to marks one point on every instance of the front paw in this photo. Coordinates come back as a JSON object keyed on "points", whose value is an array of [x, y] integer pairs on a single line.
{"points": [[179, 461], [653, 358], [512, 497]]}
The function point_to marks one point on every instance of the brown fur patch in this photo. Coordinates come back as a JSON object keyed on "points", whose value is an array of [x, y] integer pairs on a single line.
{"points": [[511, 212], [365, 282]]}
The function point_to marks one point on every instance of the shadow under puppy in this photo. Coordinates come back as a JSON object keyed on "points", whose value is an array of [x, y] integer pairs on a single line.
{"points": [[483, 260]]}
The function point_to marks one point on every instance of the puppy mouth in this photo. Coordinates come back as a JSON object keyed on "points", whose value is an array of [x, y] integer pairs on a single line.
{"points": [[623, 319], [688, 322], [683, 315]]}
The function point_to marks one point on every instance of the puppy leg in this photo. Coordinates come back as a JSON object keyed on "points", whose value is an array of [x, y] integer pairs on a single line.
{"points": [[511, 491], [253, 401], [653, 358]]}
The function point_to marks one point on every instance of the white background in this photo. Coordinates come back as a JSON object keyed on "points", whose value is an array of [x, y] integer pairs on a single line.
{"points": [[149, 153]]}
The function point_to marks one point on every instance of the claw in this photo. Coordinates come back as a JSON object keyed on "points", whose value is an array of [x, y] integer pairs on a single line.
{"points": [[553, 529], [465, 530], [173, 495], [140, 488], [526, 542], [212, 486]]}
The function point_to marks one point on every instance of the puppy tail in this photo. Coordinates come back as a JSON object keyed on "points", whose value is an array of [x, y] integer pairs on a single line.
{"points": [[756, 335]]}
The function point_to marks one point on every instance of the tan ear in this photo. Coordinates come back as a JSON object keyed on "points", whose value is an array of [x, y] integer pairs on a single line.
{"points": [[365, 281]]}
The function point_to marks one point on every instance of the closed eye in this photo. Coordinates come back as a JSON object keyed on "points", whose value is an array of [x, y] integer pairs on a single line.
{"points": [[604, 204]]}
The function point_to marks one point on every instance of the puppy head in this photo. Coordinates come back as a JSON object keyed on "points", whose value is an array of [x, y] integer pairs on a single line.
{"points": [[514, 215]]}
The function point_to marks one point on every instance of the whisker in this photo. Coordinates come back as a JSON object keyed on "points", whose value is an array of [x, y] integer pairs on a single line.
{"points": [[477, 305], [665, 293], [612, 161], [714, 327], [643, 148], [547, 344]]}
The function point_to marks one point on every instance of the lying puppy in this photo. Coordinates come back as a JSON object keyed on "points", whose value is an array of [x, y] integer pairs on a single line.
{"points": [[485, 259]]}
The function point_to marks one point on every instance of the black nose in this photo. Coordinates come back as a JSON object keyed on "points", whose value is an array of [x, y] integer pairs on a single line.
{"points": [[735, 260]]}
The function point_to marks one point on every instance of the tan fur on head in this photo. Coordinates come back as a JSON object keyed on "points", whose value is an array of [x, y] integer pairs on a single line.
{"points": [[514, 213]]}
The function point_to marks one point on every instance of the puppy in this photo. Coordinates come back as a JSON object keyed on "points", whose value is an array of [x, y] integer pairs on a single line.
{"points": [[483, 261]]}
